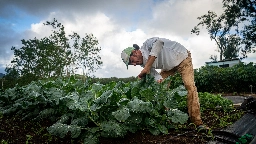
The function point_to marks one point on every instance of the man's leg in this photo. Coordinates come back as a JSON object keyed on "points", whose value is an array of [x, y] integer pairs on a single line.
{"points": [[187, 72], [165, 74]]}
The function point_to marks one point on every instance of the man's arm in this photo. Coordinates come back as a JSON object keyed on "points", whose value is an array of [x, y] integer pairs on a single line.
{"points": [[156, 48], [147, 67]]}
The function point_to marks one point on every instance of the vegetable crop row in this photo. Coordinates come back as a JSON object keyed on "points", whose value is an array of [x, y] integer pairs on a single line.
{"points": [[92, 110]]}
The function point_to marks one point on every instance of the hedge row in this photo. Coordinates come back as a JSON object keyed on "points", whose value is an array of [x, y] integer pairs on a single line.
{"points": [[239, 78]]}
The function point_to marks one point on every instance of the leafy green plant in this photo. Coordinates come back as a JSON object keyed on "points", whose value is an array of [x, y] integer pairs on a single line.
{"points": [[211, 101], [29, 137], [4, 142], [245, 139], [222, 121], [215, 79], [89, 111], [208, 101]]}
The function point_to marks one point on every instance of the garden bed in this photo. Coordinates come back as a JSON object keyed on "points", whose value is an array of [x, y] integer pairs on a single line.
{"points": [[14, 130], [74, 111]]}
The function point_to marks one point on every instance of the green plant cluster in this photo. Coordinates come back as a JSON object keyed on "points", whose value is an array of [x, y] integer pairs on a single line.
{"points": [[115, 79], [89, 111], [208, 101], [245, 139], [211, 101], [213, 79]]}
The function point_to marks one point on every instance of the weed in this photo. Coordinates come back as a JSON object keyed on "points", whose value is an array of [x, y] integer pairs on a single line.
{"points": [[4, 142], [29, 137]]}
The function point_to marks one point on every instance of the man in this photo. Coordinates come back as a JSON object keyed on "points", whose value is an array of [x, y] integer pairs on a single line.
{"points": [[170, 57]]}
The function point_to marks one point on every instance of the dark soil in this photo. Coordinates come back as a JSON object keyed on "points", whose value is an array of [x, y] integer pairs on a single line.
{"points": [[15, 131]]}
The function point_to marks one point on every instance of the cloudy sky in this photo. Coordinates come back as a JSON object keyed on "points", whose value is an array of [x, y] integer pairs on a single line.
{"points": [[117, 24]]}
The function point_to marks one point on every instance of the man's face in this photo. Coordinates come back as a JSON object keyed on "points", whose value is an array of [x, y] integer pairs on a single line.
{"points": [[136, 58]]}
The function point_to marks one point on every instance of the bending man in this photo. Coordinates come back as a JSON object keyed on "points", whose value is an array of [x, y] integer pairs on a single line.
{"points": [[170, 57]]}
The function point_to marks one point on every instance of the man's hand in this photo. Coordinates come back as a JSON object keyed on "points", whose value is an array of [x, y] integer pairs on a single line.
{"points": [[160, 80], [147, 67], [143, 73]]}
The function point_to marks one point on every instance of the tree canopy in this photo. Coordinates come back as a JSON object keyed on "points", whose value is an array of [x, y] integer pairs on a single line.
{"points": [[234, 31], [55, 55]]}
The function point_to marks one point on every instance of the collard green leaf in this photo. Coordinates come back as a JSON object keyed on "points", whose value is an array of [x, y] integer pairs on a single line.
{"points": [[61, 130], [95, 107], [177, 116], [174, 97], [150, 121], [91, 139], [71, 100], [54, 95], [75, 131], [82, 121], [163, 129], [137, 105], [123, 102], [96, 88], [30, 115], [122, 114], [135, 91], [104, 97], [112, 129], [147, 94], [134, 118], [87, 96], [64, 118], [170, 103], [58, 129], [154, 131], [133, 127], [46, 113]]}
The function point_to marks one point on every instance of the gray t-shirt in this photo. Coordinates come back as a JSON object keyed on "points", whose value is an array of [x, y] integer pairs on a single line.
{"points": [[168, 54]]}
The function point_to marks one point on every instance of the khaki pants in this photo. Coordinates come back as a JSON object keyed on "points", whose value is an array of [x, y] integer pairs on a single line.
{"points": [[185, 68]]}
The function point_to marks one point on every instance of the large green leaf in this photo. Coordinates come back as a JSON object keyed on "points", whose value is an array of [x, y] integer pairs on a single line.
{"points": [[122, 114], [137, 105], [112, 129], [177, 116], [61, 130]]}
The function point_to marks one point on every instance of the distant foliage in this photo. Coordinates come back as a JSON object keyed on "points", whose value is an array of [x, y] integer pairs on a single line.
{"points": [[213, 79], [113, 79], [53, 56], [232, 79], [233, 30]]}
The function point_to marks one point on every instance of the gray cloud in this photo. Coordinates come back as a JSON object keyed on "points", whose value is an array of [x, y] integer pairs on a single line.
{"points": [[8, 38], [179, 17], [44, 7], [115, 23]]}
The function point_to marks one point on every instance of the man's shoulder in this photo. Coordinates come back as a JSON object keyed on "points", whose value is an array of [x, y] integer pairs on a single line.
{"points": [[150, 40]]}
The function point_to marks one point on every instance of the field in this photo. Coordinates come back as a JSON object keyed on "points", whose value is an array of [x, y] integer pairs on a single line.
{"points": [[74, 111]]}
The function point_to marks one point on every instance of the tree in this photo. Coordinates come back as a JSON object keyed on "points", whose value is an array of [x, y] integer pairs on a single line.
{"points": [[54, 55], [244, 13], [214, 58], [86, 53], [234, 30], [232, 48]]}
